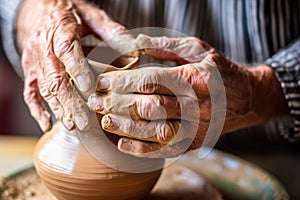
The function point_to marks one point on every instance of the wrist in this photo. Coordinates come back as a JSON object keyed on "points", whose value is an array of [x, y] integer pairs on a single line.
{"points": [[268, 101], [30, 12]]}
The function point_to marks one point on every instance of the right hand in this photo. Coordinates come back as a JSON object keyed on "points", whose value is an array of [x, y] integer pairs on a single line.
{"points": [[161, 112], [48, 35]]}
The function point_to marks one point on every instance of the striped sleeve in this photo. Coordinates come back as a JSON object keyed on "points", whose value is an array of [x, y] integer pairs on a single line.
{"points": [[8, 13], [286, 64]]}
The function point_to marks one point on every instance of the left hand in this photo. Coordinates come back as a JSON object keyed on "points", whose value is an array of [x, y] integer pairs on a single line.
{"points": [[159, 111], [49, 36]]}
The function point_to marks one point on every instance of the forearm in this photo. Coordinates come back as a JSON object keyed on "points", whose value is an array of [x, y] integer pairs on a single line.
{"points": [[268, 99], [254, 96], [285, 64]]}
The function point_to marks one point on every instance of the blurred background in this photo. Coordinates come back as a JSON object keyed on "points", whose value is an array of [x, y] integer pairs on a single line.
{"points": [[15, 118]]}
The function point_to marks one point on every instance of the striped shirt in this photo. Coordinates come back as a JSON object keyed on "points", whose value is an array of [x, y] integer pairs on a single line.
{"points": [[249, 32]]}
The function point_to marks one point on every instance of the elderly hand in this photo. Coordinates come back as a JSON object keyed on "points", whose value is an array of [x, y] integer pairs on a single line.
{"points": [[49, 34], [158, 111]]}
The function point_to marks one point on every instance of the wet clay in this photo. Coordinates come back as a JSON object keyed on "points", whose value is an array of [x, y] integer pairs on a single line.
{"points": [[70, 172], [175, 183]]}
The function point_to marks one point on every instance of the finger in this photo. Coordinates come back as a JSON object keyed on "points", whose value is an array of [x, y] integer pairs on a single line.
{"points": [[183, 50], [113, 33], [98, 20], [60, 86], [147, 107], [160, 131], [80, 111], [146, 81], [152, 150], [36, 104], [31, 94], [66, 58], [53, 102], [68, 50], [76, 66]]}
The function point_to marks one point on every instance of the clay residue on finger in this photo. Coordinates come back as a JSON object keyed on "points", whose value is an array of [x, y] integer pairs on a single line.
{"points": [[80, 112], [108, 123]]}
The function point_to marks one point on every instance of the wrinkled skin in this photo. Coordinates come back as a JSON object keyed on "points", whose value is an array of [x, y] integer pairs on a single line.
{"points": [[147, 116], [153, 122], [53, 59]]}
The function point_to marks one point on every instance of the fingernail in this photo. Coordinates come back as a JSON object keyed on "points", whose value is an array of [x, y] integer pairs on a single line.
{"points": [[45, 126], [103, 84], [45, 123], [109, 123], [95, 103], [125, 145], [81, 122], [83, 83], [68, 123]]}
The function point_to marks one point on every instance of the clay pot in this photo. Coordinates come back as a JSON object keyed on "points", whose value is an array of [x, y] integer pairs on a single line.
{"points": [[104, 59], [70, 172], [65, 163]]}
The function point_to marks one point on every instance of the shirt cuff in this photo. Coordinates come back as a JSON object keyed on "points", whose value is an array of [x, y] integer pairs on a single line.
{"points": [[286, 64], [8, 13]]}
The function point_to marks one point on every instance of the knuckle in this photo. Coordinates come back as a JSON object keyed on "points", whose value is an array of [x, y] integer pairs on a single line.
{"points": [[144, 107], [44, 91], [30, 92], [144, 148], [166, 133], [72, 105], [148, 88], [150, 107], [55, 83], [63, 46], [65, 40], [152, 81], [29, 95], [58, 111]]}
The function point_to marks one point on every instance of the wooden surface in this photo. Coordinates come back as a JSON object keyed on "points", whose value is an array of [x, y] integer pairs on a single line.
{"points": [[15, 153]]}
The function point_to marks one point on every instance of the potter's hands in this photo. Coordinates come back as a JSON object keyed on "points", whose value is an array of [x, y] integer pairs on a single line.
{"points": [[48, 34], [140, 105]]}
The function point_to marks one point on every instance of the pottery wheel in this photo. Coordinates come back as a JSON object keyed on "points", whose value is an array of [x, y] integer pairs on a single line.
{"points": [[175, 183], [179, 183]]}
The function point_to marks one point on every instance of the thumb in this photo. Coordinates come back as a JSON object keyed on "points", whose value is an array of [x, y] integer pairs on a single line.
{"points": [[99, 23], [182, 50], [97, 20]]}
